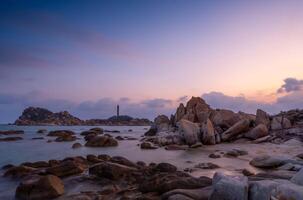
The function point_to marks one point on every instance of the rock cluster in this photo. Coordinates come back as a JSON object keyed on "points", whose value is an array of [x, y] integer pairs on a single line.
{"points": [[197, 122]]}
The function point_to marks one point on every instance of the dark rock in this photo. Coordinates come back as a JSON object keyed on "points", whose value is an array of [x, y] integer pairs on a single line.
{"points": [[119, 137], [19, 171], [40, 187], [66, 138], [104, 157], [76, 145], [208, 165], [101, 141], [165, 167], [147, 145], [37, 138], [151, 132], [38, 164], [10, 139], [60, 133], [11, 132], [213, 155], [67, 168], [42, 131], [123, 161]]}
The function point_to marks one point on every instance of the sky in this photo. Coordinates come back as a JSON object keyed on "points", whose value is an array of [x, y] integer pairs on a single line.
{"points": [[149, 55]]}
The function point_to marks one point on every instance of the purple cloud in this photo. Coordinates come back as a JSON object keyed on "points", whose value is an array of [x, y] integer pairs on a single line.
{"points": [[290, 85]]}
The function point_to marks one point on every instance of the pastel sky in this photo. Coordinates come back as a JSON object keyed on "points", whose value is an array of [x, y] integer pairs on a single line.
{"points": [[149, 55]]}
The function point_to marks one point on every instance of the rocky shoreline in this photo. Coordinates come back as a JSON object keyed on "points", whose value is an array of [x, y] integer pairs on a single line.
{"points": [[270, 146]]}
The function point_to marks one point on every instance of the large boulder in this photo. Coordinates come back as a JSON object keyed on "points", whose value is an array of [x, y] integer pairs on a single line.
{"points": [[262, 118], [279, 122], [181, 111], [224, 118], [40, 187], [101, 141], [194, 106], [162, 123], [240, 127], [109, 170], [298, 178], [19, 171], [229, 187], [259, 131], [208, 133], [266, 161], [189, 131], [288, 191], [261, 190], [67, 168]]}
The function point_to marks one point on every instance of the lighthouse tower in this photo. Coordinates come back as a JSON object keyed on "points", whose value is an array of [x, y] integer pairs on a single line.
{"points": [[118, 111]]}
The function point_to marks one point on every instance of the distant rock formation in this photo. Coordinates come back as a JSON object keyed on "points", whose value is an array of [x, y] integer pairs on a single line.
{"points": [[42, 116]]}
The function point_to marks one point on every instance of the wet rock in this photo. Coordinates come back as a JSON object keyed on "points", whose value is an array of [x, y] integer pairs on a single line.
{"points": [[109, 170], [93, 159], [37, 138], [10, 139], [66, 138], [147, 145], [240, 127], [67, 168], [213, 155], [262, 118], [162, 183], [190, 131], [92, 133], [11, 132], [235, 153], [208, 133], [123, 161], [76, 145], [19, 171], [38, 164], [104, 157], [101, 141], [42, 131], [97, 129], [40, 187], [257, 132], [8, 166], [60, 133], [207, 165], [298, 178], [119, 138], [175, 147], [165, 167], [229, 188], [266, 161]]}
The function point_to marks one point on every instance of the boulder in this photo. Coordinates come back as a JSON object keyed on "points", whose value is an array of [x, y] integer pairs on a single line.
{"points": [[67, 168], [181, 111], [38, 164], [162, 123], [207, 165], [109, 170], [196, 105], [189, 131], [19, 171], [66, 138], [97, 130], [208, 133], [60, 133], [288, 191], [101, 141], [279, 122], [42, 131], [123, 161], [151, 132], [224, 118], [265, 161], [200, 194], [76, 145], [229, 187], [262, 118], [40, 187], [257, 132], [261, 190], [298, 178], [240, 127], [147, 145], [165, 167]]}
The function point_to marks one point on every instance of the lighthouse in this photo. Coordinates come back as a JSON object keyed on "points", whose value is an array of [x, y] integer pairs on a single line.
{"points": [[118, 111]]}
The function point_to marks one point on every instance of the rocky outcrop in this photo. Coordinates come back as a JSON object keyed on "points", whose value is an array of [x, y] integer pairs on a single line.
{"points": [[280, 122], [262, 118], [101, 141], [161, 123], [208, 133], [42, 116], [40, 187]]}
